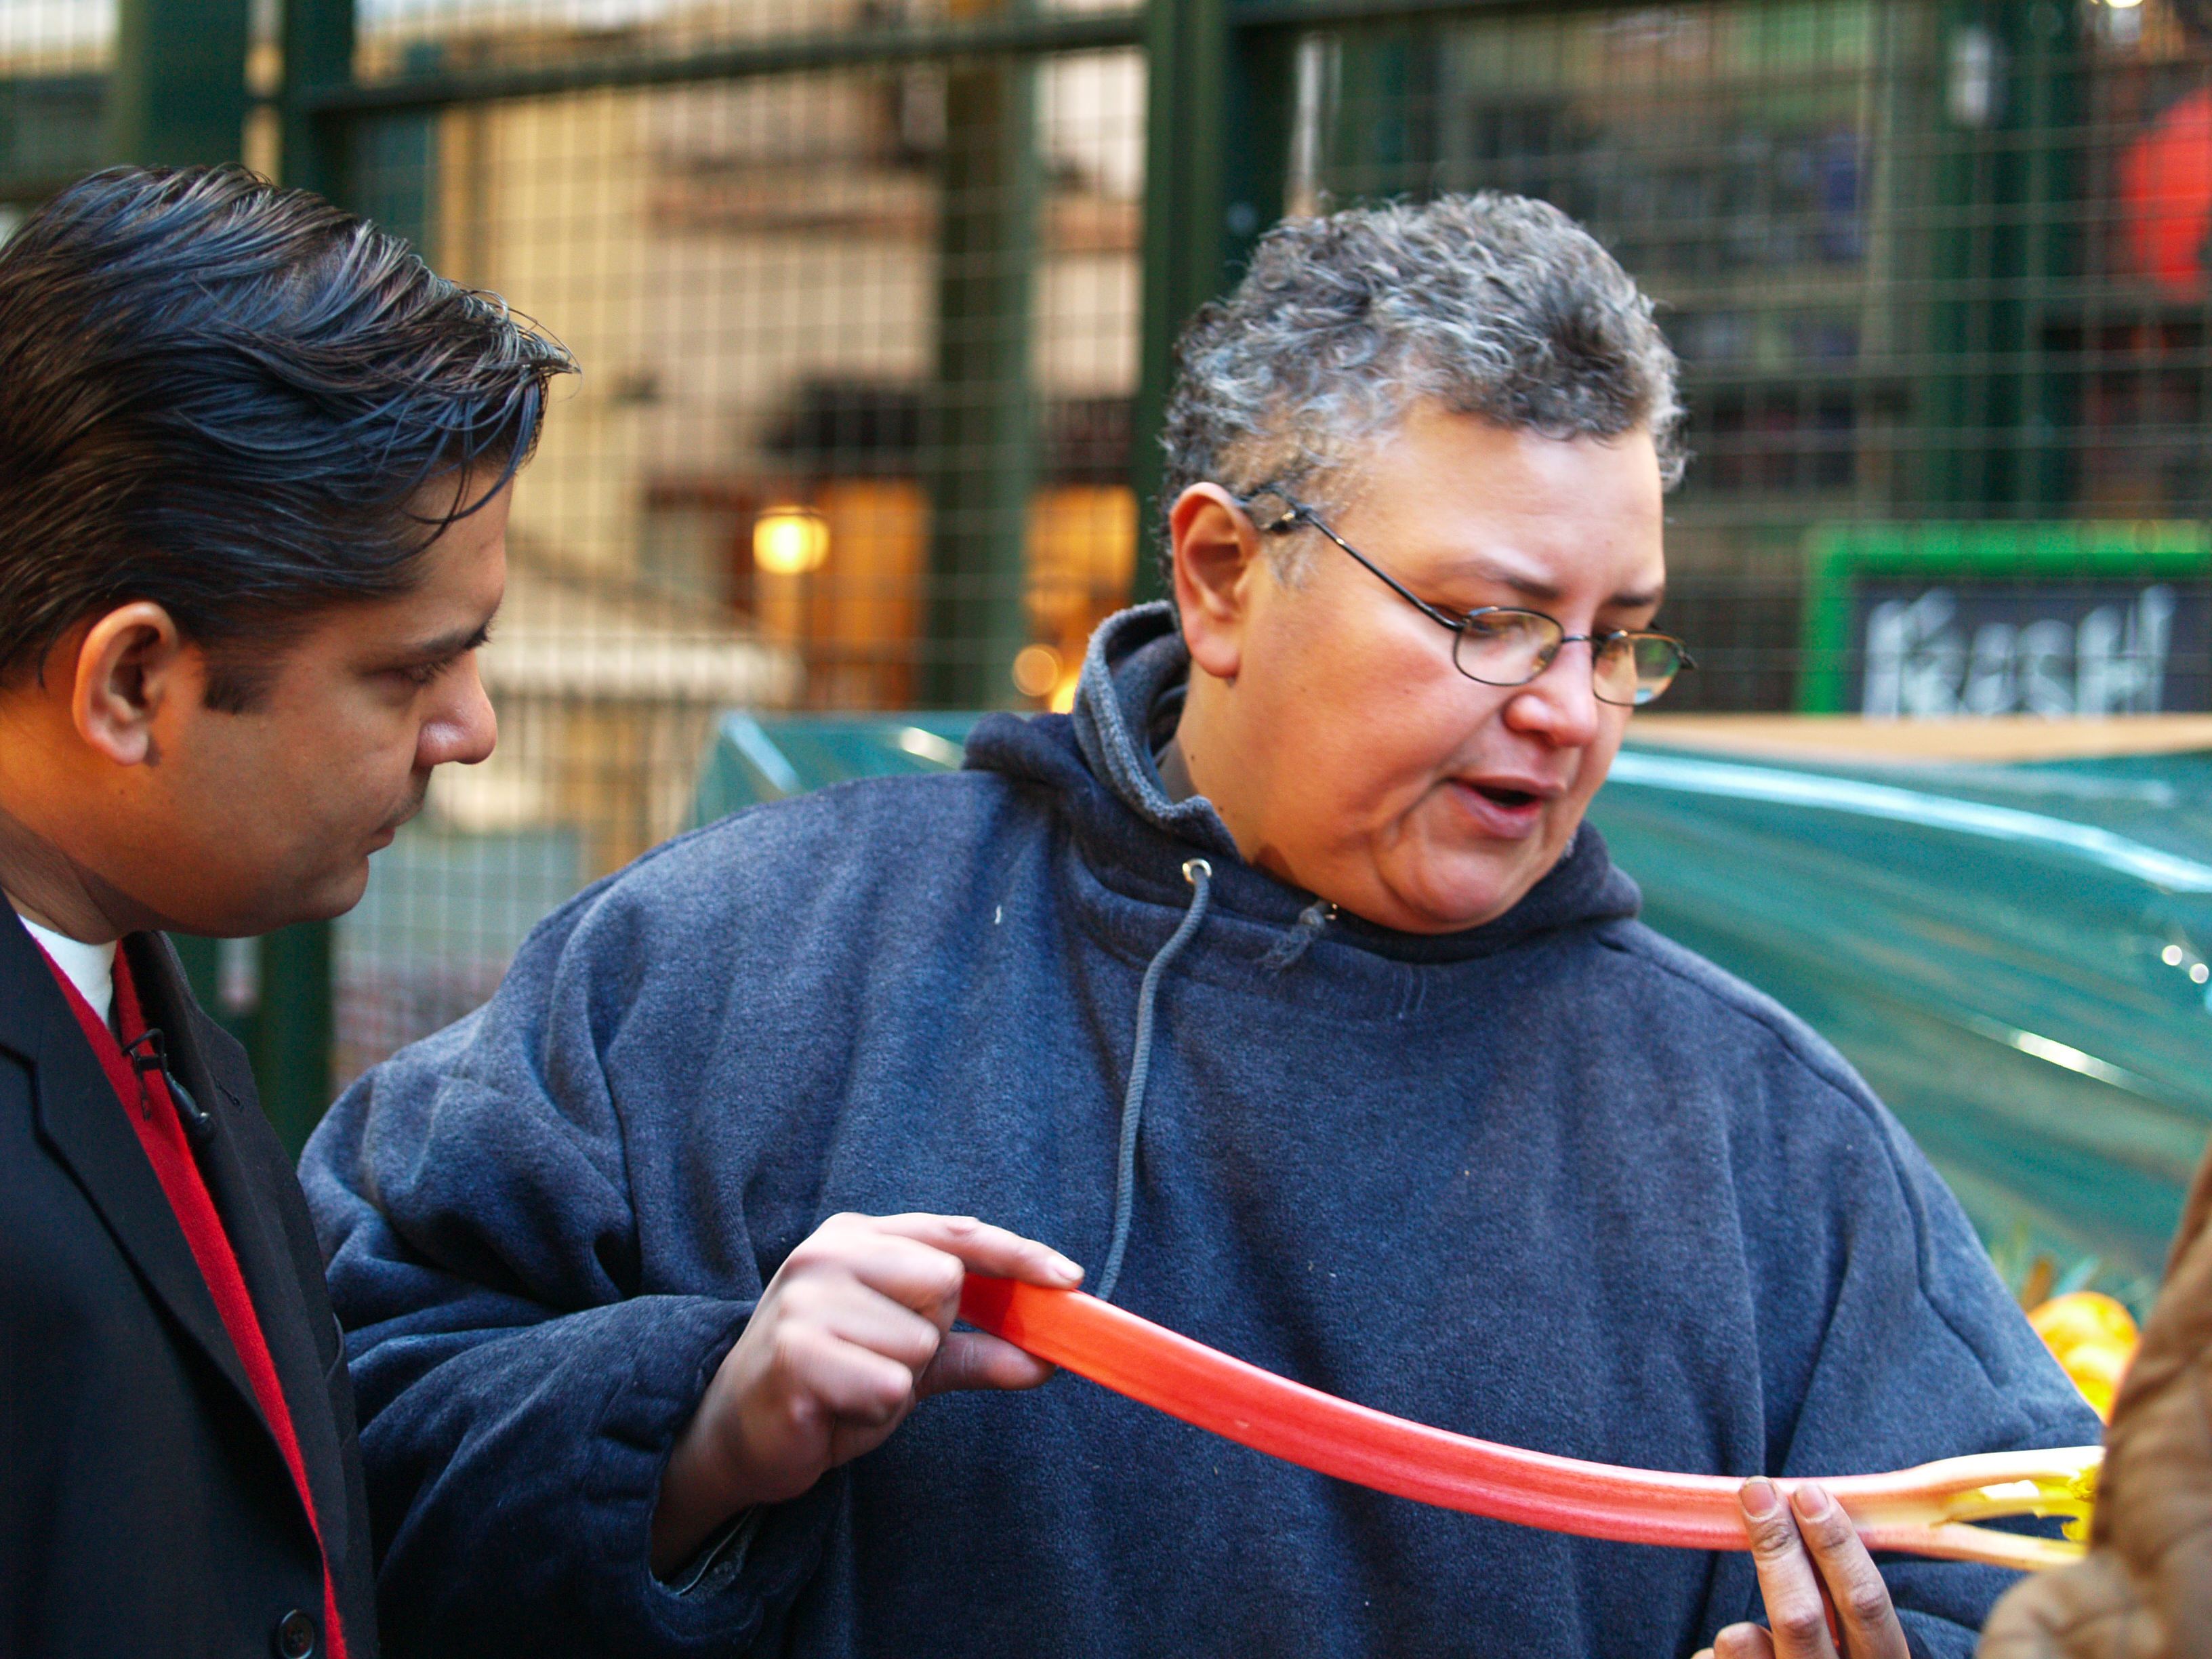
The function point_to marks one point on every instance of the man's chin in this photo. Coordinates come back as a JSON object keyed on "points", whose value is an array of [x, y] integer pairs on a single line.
{"points": [[324, 899], [342, 892]]}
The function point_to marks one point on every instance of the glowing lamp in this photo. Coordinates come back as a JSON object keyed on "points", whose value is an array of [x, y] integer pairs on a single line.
{"points": [[790, 541], [1036, 670]]}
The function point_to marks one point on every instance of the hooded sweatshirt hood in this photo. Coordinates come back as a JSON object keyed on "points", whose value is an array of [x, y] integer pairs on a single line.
{"points": [[1100, 760]]}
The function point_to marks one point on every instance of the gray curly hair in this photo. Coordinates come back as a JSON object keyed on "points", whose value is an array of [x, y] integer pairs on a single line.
{"points": [[1490, 305]]}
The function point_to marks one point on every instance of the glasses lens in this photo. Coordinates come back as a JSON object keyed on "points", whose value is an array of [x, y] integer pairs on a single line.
{"points": [[1505, 647], [1633, 669]]}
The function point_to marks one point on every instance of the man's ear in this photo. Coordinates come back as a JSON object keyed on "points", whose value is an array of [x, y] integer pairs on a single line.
{"points": [[131, 661], [1217, 557]]}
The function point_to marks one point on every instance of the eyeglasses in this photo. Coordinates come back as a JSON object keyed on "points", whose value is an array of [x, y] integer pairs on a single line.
{"points": [[1500, 645]]}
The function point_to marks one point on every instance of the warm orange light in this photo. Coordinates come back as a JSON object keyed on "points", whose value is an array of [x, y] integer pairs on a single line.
{"points": [[789, 541], [1062, 700], [1036, 670]]}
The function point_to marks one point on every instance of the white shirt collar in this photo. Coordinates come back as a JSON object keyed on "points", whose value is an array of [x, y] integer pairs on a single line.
{"points": [[90, 968]]}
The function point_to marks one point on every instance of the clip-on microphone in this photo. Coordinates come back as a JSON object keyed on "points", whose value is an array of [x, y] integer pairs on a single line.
{"points": [[149, 1052]]}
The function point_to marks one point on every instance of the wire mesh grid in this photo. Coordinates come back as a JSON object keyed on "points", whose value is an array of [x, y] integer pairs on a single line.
{"points": [[852, 432], [860, 337], [54, 57], [1922, 262]]}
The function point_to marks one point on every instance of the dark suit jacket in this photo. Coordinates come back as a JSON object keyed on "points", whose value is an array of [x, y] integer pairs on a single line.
{"points": [[145, 1507]]}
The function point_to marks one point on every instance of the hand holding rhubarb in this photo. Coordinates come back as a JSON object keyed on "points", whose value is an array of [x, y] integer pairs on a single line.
{"points": [[1824, 1597], [855, 1327]]}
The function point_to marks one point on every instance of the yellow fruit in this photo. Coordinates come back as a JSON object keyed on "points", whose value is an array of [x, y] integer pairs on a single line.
{"points": [[2082, 1317], [2094, 1338], [2097, 1368]]}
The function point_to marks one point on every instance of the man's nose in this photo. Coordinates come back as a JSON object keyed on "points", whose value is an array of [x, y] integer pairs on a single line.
{"points": [[465, 730], [1560, 704]]}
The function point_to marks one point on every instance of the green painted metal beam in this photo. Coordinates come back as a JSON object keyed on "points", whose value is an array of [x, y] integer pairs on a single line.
{"points": [[288, 1033], [2007, 193], [980, 441], [294, 1034], [177, 94], [319, 37], [1026, 34], [177, 97], [1217, 140]]}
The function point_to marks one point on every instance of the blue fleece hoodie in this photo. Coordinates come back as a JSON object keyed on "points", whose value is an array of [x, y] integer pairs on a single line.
{"points": [[1553, 1182]]}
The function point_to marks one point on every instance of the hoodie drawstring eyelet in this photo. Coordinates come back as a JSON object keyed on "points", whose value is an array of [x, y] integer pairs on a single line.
{"points": [[1199, 874]]}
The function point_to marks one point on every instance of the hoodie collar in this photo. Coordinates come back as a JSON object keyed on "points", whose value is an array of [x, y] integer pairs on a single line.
{"points": [[1133, 678], [1099, 760]]}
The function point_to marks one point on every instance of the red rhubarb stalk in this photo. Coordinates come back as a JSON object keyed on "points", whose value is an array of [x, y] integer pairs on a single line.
{"points": [[1929, 1511]]}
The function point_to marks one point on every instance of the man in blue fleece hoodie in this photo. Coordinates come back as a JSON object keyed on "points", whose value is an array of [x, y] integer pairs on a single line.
{"points": [[1282, 984]]}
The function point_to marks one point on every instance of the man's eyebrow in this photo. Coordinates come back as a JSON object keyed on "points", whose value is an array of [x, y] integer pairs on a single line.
{"points": [[453, 643]]}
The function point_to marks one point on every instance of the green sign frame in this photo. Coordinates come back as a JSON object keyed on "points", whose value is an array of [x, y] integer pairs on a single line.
{"points": [[1838, 557]]}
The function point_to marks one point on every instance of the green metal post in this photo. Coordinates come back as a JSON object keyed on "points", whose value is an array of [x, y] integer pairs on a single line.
{"points": [[981, 441], [177, 97], [177, 94], [2053, 189], [293, 1032], [318, 37], [392, 162], [290, 1035], [1217, 141], [2005, 219]]}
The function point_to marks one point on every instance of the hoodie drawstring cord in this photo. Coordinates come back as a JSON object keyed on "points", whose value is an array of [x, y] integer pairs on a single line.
{"points": [[1199, 874], [1312, 920]]}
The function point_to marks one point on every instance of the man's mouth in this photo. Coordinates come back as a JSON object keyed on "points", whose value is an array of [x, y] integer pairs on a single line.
{"points": [[389, 829]]}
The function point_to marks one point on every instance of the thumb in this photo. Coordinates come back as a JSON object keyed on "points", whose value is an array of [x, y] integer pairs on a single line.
{"points": [[972, 1359]]}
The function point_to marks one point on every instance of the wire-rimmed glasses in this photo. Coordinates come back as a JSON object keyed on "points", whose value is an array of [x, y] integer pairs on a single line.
{"points": [[1504, 645]]}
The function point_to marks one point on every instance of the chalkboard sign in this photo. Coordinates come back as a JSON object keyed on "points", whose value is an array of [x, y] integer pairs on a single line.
{"points": [[1940, 620]]}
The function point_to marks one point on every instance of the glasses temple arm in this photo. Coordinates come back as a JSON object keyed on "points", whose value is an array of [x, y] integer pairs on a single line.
{"points": [[1300, 514]]}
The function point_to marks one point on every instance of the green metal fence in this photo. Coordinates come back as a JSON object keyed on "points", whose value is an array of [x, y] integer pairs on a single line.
{"points": [[875, 300]]}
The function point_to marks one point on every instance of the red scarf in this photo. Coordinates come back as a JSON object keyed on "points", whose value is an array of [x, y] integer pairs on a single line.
{"points": [[147, 1103]]}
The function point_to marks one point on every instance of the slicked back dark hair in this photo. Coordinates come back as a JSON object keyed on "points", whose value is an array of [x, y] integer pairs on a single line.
{"points": [[242, 404]]}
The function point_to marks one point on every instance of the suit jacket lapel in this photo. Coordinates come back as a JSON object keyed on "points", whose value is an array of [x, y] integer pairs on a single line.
{"points": [[81, 1119], [256, 1232]]}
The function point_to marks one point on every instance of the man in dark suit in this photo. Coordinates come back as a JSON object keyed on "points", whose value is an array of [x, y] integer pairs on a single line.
{"points": [[255, 466]]}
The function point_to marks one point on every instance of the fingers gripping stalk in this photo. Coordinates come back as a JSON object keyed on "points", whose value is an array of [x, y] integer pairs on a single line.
{"points": [[1824, 1597], [853, 1329]]}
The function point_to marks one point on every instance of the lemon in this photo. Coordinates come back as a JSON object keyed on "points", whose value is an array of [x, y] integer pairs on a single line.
{"points": [[2082, 1317], [2093, 1338]]}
